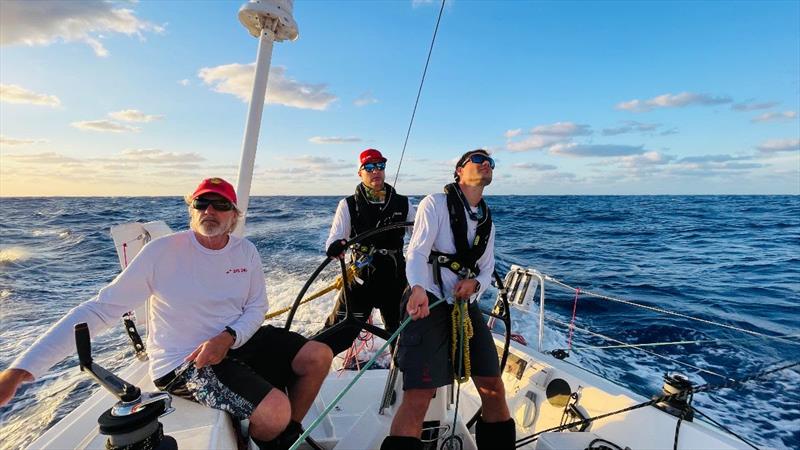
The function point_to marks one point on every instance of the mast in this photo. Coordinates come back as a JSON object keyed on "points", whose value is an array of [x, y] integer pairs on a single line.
{"points": [[269, 21]]}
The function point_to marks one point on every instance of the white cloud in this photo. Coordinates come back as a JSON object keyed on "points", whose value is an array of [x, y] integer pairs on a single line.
{"points": [[775, 117], [317, 164], [565, 129], [237, 80], [11, 93], [42, 158], [132, 115], [752, 106], [7, 141], [543, 136], [533, 166], [103, 126], [595, 151], [333, 140], [651, 158], [155, 156], [779, 145], [631, 126], [184, 82], [672, 101], [365, 99], [533, 142], [44, 22]]}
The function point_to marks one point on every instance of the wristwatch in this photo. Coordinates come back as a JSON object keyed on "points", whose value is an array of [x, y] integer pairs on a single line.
{"points": [[231, 331]]}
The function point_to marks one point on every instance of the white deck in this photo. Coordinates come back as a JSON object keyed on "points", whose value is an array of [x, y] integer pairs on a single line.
{"points": [[355, 423]]}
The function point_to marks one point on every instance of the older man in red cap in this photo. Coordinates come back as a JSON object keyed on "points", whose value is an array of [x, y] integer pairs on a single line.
{"points": [[379, 258], [207, 298]]}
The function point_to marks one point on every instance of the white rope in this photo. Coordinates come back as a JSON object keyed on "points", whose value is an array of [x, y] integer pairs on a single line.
{"points": [[661, 344], [663, 311], [643, 350]]}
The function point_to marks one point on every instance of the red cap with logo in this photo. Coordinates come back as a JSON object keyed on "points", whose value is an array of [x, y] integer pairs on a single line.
{"points": [[371, 155], [216, 186]]}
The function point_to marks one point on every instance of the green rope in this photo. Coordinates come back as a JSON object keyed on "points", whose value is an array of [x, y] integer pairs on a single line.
{"points": [[361, 372]]}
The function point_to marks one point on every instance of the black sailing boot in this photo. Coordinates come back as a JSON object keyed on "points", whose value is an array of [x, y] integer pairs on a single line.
{"points": [[401, 443], [496, 435], [284, 440], [266, 445]]}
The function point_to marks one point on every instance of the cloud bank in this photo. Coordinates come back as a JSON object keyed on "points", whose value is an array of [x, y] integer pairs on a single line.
{"points": [[45, 22]]}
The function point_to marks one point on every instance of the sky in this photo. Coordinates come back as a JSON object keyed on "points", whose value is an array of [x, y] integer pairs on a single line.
{"points": [[126, 98]]}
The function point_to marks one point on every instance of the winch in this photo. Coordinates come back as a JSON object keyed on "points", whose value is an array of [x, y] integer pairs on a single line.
{"points": [[680, 404]]}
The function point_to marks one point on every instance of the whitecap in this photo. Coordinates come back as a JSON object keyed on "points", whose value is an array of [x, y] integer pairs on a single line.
{"points": [[13, 254]]}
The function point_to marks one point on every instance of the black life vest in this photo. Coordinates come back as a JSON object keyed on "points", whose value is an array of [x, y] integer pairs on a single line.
{"points": [[365, 216], [464, 262]]}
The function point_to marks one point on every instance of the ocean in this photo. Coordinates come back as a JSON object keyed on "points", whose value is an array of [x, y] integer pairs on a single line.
{"points": [[733, 260]]}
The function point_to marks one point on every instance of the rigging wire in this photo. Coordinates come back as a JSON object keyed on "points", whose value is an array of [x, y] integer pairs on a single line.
{"points": [[643, 350], [419, 93], [667, 312], [661, 344]]}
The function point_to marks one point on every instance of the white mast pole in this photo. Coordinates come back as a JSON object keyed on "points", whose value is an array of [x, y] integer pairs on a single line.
{"points": [[269, 20]]}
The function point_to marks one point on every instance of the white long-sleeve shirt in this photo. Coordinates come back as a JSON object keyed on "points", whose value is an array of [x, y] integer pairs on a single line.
{"points": [[194, 293], [432, 232], [340, 228]]}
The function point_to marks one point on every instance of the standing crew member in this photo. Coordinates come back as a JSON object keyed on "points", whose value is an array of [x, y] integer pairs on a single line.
{"points": [[379, 258], [450, 256], [207, 298]]}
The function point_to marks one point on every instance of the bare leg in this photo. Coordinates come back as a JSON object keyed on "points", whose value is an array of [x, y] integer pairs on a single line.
{"points": [[311, 365], [271, 416], [493, 398], [411, 413]]}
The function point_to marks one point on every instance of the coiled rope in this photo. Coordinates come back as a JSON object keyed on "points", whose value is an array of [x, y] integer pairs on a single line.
{"points": [[462, 333]]}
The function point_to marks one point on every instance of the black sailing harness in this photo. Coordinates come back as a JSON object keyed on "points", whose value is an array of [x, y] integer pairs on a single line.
{"points": [[365, 215], [464, 262]]}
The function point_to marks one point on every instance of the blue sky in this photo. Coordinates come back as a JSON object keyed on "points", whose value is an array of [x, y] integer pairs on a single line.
{"points": [[146, 98]]}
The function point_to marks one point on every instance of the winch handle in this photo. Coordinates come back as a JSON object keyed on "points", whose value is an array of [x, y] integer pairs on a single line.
{"points": [[123, 390]]}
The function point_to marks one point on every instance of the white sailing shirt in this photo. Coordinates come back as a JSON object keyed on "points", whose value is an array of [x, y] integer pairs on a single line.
{"points": [[432, 232], [194, 293]]}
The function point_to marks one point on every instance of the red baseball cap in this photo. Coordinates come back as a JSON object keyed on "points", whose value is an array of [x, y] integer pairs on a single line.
{"points": [[371, 155], [217, 186]]}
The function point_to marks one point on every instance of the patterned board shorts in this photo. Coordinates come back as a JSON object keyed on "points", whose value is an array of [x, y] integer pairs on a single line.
{"points": [[247, 374]]}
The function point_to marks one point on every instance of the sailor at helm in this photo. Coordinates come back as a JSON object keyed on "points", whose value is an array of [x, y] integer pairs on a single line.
{"points": [[207, 299], [450, 256], [379, 259]]}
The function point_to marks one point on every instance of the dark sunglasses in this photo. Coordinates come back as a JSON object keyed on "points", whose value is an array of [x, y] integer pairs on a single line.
{"points": [[221, 204], [478, 158], [372, 167]]}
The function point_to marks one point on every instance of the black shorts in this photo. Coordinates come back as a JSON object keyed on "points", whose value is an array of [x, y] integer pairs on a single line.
{"points": [[247, 374], [425, 346]]}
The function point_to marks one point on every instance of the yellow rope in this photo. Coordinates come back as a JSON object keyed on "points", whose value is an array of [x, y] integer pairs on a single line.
{"points": [[336, 285], [460, 320]]}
